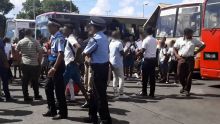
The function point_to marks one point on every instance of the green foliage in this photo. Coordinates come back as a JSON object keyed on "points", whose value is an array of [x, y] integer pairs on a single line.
{"points": [[6, 6], [45, 6]]}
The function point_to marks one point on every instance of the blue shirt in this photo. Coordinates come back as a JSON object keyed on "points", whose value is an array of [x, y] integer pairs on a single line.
{"points": [[98, 47], [115, 57], [57, 45]]}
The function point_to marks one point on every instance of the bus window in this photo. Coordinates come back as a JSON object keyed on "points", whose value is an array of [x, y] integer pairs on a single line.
{"points": [[188, 17], [212, 14], [166, 23]]}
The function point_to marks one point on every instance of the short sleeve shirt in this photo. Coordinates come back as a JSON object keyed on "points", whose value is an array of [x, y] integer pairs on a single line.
{"points": [[162, 54], [57, 45], [98, 48], [186, 48], [68, 54], [150, 46], [29, 50], [170, 52], [115, 57]]}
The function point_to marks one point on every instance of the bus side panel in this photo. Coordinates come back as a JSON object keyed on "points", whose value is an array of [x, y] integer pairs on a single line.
{"points": [[210, 57]]}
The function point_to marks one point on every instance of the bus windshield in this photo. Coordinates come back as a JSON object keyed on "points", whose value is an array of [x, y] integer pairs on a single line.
{"points": [[166, 23], [212, 14], [189, 17]]}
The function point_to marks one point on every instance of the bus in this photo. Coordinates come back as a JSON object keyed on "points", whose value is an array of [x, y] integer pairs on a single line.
{"points": [[210, 56], [170, 21], [15, 27], [126, 25]]}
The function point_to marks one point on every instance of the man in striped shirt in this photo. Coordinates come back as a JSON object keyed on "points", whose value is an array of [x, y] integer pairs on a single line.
{"points": [[30, 51]]}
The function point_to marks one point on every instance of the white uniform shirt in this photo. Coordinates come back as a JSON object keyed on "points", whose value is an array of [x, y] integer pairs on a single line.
{"points": [[115, 57], [186, 48], [150, 46], [68, 53], [138, 44], [170, 52], [163, 52]]}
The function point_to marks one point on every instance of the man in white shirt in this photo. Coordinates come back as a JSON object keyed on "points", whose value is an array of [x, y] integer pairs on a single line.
{"points": [[184, 50], [71, 57], [149, 48]]}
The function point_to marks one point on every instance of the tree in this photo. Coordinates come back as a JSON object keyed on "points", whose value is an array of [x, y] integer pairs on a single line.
{"points": [[28, 9], [45, 6], [6, 6], [59, 6]]}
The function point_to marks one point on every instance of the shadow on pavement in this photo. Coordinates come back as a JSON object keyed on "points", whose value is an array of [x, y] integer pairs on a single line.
{"points": [[118, 111], [206, 95], [177, 96], [9, 120], [215, 86], [115, 121], [33, 103], [4, 112]]}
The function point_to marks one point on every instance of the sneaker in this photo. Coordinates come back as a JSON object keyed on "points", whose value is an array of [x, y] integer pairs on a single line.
{"points": [[116, 93], [167, 82], [59, 117], [142, 94], [49, 114], [139, 83]]}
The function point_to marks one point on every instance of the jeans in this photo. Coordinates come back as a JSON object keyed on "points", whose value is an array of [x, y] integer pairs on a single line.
{"points": [[57, 83], [98, 97], [118, 78], [4, 77], [30, 74]]}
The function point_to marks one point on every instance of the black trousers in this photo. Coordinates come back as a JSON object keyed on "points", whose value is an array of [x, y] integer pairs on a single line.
{"points": [[98, 97], [148, 74], [57, 83], [184, 71], [4, 77], [30, 74]]}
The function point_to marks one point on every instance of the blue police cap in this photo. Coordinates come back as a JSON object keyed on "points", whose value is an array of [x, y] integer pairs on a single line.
{"points": [[97, 21]]}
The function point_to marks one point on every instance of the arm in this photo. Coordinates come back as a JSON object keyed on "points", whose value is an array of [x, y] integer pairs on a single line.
{"points": [[176, 53], [4, 59], [202, 47], [78, 52]]}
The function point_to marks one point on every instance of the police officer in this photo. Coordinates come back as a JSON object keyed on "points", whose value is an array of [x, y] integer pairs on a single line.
{"points": [[55, 74], [98, 49], [184, 50]]}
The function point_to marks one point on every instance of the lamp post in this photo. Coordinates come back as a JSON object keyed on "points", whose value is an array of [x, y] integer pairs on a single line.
{"points": [[144, 4], [34, 9]]}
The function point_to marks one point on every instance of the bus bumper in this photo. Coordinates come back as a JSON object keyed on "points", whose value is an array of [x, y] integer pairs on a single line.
{"points": [[210, 73]]}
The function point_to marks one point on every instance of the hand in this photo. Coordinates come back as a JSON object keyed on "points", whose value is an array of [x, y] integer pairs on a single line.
{"points": [[51, 73], [179, 57]]}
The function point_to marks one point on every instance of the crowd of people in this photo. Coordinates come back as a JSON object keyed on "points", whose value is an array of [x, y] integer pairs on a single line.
{"points": [[73, 62]]}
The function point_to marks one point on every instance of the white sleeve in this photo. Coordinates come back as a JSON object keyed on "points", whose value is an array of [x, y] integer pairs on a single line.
{"points": [[144, 45], [177, 45]]}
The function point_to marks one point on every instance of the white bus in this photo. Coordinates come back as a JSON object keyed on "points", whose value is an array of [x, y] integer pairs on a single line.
{"points": [[14, 27]]}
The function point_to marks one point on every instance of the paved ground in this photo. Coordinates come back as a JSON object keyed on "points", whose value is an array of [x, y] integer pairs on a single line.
{"points": [[167, 108]]}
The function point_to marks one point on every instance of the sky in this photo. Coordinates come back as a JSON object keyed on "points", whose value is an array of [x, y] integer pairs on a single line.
{"points": [[131, 8]]}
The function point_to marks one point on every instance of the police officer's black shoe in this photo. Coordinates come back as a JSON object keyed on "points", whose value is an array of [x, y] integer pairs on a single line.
{"points": [[186, 93], [49, 114], [90, 120], [28, 99], [38, 97], [59, 117]]}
